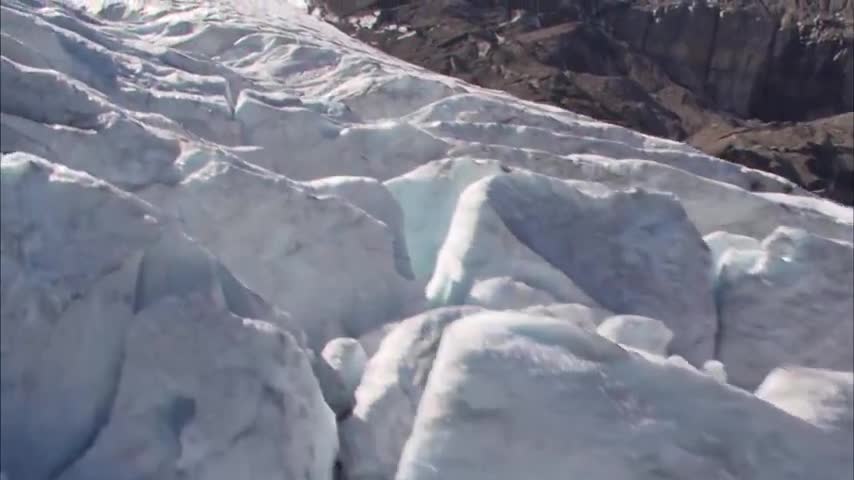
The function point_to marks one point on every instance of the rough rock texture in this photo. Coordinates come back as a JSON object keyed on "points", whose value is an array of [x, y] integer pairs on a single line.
{"points": [[711, 73]]}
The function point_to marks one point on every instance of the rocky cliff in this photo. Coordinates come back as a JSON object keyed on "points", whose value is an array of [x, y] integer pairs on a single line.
{"points": [[764, 83]]}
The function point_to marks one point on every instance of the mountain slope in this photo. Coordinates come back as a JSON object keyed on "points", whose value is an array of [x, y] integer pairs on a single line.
{"points": [[762, 83], [201, 198]]}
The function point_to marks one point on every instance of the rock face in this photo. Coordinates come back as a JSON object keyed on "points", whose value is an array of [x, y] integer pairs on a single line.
{"points": [[776, 60], [480, 416], [714, 73]]}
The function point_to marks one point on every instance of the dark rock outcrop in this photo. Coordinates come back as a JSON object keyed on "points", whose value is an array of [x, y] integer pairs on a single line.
{"points": [[764, 83]]}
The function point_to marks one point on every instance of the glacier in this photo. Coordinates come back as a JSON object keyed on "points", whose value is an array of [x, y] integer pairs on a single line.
{"points": [[236, 243]]}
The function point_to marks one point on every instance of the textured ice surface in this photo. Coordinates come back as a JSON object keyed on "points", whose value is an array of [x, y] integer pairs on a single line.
{"points": [[339, 371], [330, 265], [628, 251], [716, 370], [721, 243], [387, 398], [502, 293], [639, 332], [133, 344], [224, 183], [513, 396], [205, 394], [789, 303], [824, 398], [376, 200], [583, 316]]}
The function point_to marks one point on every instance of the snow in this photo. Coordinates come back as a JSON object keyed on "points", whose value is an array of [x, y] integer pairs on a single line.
{"points": [[722, 243], [789, 303], [469, 255], [504, 293], [317, 247], [821, 397], [209, 395], [212, 209], [339, 372], [132, 342], [386, 400], [376, 200], [583, 316], [647, 334], [515, 396], [626, 250], [70, 248], [716, 370], [439, 185]]}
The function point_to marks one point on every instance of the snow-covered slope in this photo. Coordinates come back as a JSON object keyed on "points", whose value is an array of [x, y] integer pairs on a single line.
{"points": [[199, 195]]}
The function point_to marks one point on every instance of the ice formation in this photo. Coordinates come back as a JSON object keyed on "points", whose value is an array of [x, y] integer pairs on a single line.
{"points": [[199, 196], [639, 332], [339, 372], [824, 398], [789, 303], [608, 414]]}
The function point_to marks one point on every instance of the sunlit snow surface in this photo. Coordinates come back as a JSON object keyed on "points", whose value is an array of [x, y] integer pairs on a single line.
{"points": [[198, 196]]}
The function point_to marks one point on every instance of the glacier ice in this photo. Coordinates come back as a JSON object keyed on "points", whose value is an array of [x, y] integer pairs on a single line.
{"points": [[387, 398], [317, 247], [627, 250], [610, 414], [437, 185], [502, 293], [639, 332], [588, 318], [122, 332], [224, 188], [824, 398], [70, 249], [715, 369], [721, 243], [206, 394], [468, 256], [789, 303], [339, 371], [376, 200]]}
